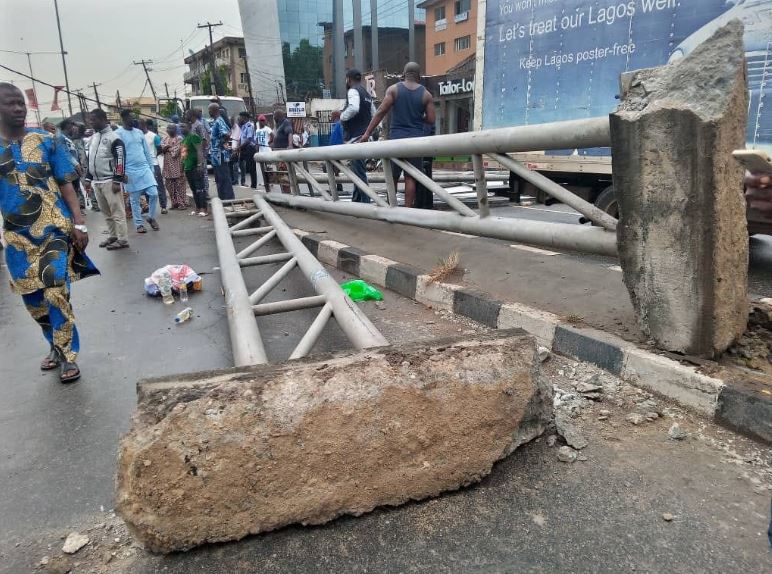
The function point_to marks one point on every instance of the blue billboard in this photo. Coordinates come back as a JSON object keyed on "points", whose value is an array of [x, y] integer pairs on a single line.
{"points": [[552, 60]]}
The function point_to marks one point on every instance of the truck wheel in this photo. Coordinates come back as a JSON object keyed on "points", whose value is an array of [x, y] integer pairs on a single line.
{"points": [[607, 201]]}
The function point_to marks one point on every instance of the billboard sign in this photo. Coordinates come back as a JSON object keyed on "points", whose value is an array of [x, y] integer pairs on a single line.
{"points": [[553, 60]]}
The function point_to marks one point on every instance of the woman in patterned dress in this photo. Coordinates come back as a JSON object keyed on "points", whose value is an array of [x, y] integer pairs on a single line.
{"points": [[174, 178]]}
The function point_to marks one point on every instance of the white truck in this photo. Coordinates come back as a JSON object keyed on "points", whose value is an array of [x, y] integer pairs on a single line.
{"points": [[552, 60]]}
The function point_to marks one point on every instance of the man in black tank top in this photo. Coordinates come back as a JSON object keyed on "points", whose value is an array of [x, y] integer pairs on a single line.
{"points": [[412, 107], [355, 118]]}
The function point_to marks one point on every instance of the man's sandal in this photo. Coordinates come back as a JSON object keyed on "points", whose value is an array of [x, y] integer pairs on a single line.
{"points": [[141, 229], [154, 224], [108, 241], [117, 245], [67, 367], [51, 361]]}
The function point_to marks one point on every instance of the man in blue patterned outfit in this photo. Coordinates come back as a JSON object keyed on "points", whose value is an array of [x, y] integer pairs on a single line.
{"points": [[43, 227], [219, 154]]}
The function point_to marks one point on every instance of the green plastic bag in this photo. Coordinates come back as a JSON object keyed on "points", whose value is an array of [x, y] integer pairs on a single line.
{"points": [[358, 290]]}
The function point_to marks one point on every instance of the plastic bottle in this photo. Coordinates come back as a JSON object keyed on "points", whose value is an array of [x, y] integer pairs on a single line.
{"points": [[183, 292], [183, 315], [165, 285]]}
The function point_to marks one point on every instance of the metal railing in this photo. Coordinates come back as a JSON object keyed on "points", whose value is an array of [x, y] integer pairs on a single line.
{"points": [[242, 307], [495, 144]]}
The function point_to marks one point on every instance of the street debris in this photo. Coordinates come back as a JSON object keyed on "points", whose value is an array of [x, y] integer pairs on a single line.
{"points": [[446, 267], [179, 275], [358, 290], [676, 432], [635, 418], [544, 353], [74, 542], [667, 517], [569, 432], [566, 454]]}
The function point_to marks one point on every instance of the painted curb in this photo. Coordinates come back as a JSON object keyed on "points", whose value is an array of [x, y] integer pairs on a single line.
{"points": [[744, 408]]}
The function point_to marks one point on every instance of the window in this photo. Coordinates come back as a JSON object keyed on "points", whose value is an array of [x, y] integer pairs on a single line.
{"points": [[439, 13], [242, 53], [439, 49], [462, 6], [463, 43], [244, 78]]}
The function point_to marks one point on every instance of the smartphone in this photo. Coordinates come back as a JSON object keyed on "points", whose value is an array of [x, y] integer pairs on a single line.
{"points": [[754, 160]]}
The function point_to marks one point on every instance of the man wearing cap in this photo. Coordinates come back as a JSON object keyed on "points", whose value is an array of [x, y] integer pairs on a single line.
{"points": [[355, 117], [247, 150], [263, 137]]}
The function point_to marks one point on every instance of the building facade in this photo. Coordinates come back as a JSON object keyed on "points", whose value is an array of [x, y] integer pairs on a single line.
{"points": [[231, 62], [451, 33], [297, 48]]}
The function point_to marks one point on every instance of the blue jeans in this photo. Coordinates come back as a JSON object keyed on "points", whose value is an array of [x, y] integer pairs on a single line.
{"points": [[152, 203], [358, 167], [222, 178]]}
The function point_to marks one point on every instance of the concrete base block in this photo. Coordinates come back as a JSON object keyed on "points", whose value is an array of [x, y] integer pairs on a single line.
{"points": [[328, 252], [219, 456], [540, 324], [672, 379], [438, 295], [683, 242], [373, 268]]}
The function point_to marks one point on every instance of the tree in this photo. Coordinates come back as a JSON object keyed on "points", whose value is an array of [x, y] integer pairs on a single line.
{"points": [[206, 81], [303, 70]]}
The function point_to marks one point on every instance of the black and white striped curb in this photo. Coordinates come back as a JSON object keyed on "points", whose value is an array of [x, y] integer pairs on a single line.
{"points": [[744, 407]]}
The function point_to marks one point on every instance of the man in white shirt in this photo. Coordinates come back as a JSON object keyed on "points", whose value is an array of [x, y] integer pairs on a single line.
{"points": [[263, 137], [355, 118], [153, 141]]}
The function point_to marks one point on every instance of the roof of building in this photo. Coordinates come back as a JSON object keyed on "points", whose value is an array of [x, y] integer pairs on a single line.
{"points": [[218, 44], [428, 4]]}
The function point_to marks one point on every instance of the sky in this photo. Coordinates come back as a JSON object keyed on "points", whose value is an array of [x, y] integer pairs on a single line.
{"points": [[102, 39]]}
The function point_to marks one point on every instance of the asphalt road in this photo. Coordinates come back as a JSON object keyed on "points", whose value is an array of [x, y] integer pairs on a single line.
{"points": [[533, 514]]}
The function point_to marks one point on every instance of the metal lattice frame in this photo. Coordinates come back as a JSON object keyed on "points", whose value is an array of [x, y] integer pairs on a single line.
{"points": [[495, 144], [242, 307]]}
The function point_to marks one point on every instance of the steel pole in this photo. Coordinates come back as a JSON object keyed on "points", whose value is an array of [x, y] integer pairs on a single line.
{"points": [[64, 58], [246, 343], [586, 133], [555, 235], [355, 324]]}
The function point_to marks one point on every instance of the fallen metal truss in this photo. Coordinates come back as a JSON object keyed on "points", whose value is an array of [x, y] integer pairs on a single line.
{"points": [[257, 218]]}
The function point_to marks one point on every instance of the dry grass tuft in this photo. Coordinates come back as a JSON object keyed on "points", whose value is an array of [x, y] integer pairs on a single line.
{"points": [[446, 267], [573, 319]]}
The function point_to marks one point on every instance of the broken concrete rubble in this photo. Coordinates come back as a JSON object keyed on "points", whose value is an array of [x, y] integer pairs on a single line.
{"points": [[683, 242], [244, 451]]}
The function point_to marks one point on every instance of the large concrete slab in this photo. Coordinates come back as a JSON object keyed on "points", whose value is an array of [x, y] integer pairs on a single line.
{"points": [[683, 242], [222, 455]]}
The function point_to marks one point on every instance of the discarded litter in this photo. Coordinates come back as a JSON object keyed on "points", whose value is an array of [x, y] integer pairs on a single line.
{"points": [[359, 290], [179, 275], [183, 315]]}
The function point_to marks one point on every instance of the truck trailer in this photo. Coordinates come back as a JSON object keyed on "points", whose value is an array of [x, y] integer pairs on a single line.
{"points": [[553, 60]]}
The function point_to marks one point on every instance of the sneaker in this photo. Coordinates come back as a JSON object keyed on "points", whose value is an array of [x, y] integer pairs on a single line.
{"points": [[194, 212], [164, 211]]}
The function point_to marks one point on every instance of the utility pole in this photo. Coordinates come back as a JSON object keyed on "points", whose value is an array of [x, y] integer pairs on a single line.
{"points": [[411, 29], [34, 87], [96, 95], [118, 99], [64, 59], [144, 64], [252, 107], [166, 86], [215, 76], [374, 34]]}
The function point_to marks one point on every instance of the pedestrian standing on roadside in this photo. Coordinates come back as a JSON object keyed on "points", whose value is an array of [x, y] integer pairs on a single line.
{"points": [[282, 139], [63, 134], [263, 140], [154, 145], [80, 140], [247, 150], [411, 106], [199, 126], [174, 177], [105, 172], [139, 173], [194, 166], [45, 233], [235, 151], [219, 154], [336, 138], [355, 118]]}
